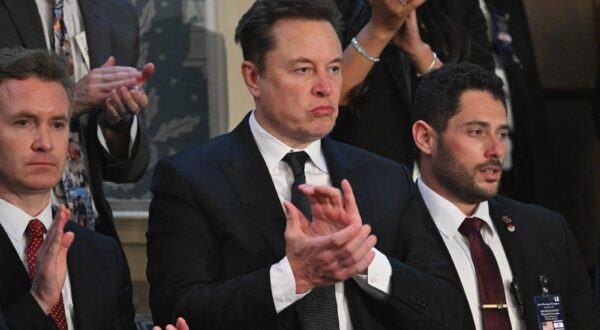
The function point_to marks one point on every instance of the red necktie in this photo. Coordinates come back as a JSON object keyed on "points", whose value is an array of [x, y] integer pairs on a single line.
{"points": [[489, 281], [35, 236]]}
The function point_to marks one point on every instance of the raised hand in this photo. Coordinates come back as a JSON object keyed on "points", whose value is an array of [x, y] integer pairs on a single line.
{"points": [[51, 262], [332, 209]]}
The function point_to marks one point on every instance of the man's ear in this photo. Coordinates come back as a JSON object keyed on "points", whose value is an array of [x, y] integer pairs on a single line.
{"points": [[424, 136], [251, 78]]}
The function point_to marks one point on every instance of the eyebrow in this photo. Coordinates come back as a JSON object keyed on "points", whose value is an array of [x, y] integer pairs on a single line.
{"points": [[307, 60], [31, 115], [484, 124]]}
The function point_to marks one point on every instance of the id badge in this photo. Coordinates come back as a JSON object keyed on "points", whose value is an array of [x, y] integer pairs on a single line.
{"points": [[549, 312]]}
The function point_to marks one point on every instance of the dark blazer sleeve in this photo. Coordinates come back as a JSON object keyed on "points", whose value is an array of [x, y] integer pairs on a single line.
{"points": [[582, 311], [422, 279], [191, 283], [25, 313]]}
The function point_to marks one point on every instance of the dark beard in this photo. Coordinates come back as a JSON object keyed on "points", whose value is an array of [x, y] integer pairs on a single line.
{"points": [[457, 179]]}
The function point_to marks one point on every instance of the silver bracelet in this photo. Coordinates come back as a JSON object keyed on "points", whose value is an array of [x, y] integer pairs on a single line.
{"points": [[430, 68], [363, 51]]}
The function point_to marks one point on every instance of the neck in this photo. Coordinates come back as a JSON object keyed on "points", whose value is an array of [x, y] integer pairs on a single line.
{"points": [[31, 204]]}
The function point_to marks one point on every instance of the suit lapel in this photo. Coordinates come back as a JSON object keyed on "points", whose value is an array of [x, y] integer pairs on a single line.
{"points": [[96, 25], [511, 241], [249, 177], [82, 287], [26, 17], [16, 281]]}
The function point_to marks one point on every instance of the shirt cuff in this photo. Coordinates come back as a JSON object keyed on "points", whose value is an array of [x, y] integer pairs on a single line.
{"points": [[132, 135], [378, 278], [283, 285]]}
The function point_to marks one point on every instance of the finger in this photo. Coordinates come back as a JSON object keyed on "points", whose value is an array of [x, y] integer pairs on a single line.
{"points": [[357, 249], [346, 253], [129, 103], [118, 103], [350, 201], [134, 100], [181, 324], [147, 72], [296, 221], [108, 86], [110, 112], [362, 266], [110, 61], [341, 237]]}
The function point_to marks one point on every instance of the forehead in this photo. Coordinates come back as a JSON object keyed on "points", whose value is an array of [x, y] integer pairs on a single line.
{"points": [[304, 36], [33, 95], [480, 106]]}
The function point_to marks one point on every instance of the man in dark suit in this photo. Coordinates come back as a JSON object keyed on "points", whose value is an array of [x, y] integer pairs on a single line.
{"points": [[104, 42], [528, 251], [37, 292], [220, 250]]}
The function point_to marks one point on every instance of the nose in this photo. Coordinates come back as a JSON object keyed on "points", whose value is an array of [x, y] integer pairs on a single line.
{"points": [[323, 85], [43, 141], [496, 147]]}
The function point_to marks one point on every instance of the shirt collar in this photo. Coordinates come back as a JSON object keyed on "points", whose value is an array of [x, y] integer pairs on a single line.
{"points": [[447, 216], [15, 221], [273, 150]]}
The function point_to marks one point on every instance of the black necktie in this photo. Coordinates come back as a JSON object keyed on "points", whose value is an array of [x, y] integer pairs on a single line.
{"points": [[318, 308], [489, 280]]}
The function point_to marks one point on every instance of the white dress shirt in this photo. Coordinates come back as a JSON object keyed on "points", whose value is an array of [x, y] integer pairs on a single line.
{"points": [[283, 284], [448, 218], [15, 221]]}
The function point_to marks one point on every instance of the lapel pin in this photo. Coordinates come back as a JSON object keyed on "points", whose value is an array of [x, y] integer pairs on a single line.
{"points": [[510, 227], [506, 219]]}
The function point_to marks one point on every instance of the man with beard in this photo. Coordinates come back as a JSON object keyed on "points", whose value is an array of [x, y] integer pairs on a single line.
{"points": [[518, 263]]}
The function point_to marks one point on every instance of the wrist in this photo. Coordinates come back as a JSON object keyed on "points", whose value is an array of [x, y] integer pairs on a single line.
{"points": [[425, 60], [121, 126], [377, 33], [43, 305]]}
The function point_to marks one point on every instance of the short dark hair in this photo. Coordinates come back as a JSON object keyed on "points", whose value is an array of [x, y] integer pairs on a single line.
{"points": [[253, 32], [438, 95], [20, 63]]}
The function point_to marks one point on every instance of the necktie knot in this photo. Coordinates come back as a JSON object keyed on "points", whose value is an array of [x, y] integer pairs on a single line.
{"points": [[296, 161], [35, 229], [470, 226]]}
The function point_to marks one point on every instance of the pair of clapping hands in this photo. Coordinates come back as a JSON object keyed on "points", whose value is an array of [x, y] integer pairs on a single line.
{"points": [[335, 245], [118, 90]]}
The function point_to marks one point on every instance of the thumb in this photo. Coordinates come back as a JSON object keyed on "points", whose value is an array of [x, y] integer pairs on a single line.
{"points": [[109, 62]]}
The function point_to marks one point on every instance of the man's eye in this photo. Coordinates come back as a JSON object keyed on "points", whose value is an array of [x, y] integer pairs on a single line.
{"points": [[22, 123], [303, 70], [59, 125], [335, 69], [476, 132], [503, 135]]}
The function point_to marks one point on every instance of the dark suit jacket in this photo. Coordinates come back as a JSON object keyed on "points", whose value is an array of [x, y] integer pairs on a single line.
{"points": [[100, 285], [380, 120], [542, 244], [111, 29], [216, 226]]}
